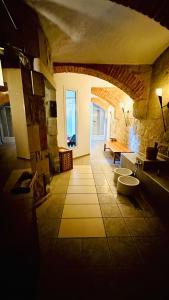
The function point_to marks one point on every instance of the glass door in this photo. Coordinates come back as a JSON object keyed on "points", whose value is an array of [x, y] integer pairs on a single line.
{"points": [[99, 120]]}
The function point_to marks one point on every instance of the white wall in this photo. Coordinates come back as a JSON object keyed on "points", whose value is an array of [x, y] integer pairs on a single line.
{"points": [[15, 88], [82, 84]]}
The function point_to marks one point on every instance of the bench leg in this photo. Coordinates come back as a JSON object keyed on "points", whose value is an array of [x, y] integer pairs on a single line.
{"points": [[116, 156]]}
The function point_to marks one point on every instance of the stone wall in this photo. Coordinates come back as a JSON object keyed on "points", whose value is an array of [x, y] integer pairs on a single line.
{"points": [[145, 125], [151, 129], [34, 93], [141, 132], [51, 117]]}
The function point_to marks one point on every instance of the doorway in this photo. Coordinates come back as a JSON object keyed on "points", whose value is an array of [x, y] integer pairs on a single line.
{"points": [[98, 123], [6, 130]]}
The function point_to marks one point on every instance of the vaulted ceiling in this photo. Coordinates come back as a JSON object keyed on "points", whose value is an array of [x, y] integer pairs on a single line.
{"points": [[111, 95], [100, 102], [97, 31]]}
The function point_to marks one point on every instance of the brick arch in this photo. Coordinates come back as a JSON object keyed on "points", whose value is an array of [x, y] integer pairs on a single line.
{"points": [[111, 95], [133, 80]]}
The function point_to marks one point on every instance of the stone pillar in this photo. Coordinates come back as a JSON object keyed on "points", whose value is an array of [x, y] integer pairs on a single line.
{"points": [[52, 145], [51, 116], [140, 109], [34, 92]]}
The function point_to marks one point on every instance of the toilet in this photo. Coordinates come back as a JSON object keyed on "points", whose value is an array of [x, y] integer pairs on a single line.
{"points": [[121, 172], [127, 185]]}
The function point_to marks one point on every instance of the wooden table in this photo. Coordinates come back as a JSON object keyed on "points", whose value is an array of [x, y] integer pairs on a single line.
{"points": [[117, 148]]}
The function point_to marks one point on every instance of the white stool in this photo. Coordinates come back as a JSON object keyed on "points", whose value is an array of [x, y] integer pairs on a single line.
{"points": [[127, 185], [121, 172]]}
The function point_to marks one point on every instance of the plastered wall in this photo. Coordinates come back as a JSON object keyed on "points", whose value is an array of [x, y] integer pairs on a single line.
{"points": [[82, 84]]}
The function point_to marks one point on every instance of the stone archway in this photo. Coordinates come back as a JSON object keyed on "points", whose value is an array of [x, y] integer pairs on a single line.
{"points": [[133, 80]]}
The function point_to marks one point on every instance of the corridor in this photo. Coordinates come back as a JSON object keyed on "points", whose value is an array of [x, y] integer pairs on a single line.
{"points": [[95, 243]]}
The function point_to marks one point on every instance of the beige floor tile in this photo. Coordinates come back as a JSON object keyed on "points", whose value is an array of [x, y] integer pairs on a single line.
{"points": [[100, 181], [59, 182], [82, 167], [83, 175], [81, 228], [81, 190], [82, 211], [107, 170], [82, 170], [103, 189], [113, 188], [81, 181], [81, 199], [58, 189], [63, 175], [56, 196], [99, 176], [97, 171], [82, 161]]}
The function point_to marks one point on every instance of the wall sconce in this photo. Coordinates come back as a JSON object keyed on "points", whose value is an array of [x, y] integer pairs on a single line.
{"points": [[159, 93], [125, 118]]}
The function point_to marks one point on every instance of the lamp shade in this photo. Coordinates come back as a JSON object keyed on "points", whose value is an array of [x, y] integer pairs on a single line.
{"points": [[159, 92]]}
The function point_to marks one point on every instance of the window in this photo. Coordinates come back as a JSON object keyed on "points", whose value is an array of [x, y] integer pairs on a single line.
{"points": [[71, 125]]}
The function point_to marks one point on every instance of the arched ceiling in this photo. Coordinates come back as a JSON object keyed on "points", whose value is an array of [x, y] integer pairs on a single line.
{"points": [[100, 102], [155, 9], [97, 31], [112, 95]]}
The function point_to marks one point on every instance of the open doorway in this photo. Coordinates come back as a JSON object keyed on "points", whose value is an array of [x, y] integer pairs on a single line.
{"points": [[6, 129], [98, 123], [102, 125]]}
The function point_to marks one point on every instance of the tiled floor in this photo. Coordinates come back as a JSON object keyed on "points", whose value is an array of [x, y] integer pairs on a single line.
{"points": [[97, 244]]}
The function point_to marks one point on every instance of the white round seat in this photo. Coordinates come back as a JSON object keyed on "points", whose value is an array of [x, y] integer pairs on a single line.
{"points": [[121, 172], [127, 185]]}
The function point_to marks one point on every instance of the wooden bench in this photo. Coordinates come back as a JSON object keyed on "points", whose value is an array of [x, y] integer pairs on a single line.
{"points": [[117, 148]]}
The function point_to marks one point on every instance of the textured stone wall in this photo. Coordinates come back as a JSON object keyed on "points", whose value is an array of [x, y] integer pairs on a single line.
{"points": [[34, 92], [151, 129], [51, 117], [146, 125]]}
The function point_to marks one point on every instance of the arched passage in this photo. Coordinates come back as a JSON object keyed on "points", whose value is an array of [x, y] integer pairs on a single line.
{"points": [[133, 80]]}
